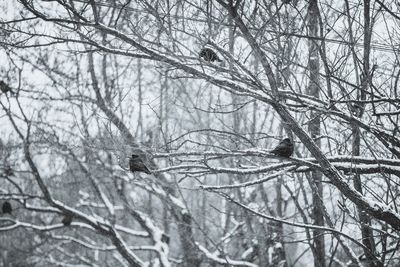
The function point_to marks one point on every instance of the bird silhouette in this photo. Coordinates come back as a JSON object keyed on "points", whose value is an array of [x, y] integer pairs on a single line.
{"points": [[285, 148], [4, 87], [165, 238], [67, 220], [6, 207], [209, 55], [8, 171], [136, 165]]}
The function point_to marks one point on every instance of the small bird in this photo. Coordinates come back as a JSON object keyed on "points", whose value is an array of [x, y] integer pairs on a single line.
{"points": [[6, 207], [209, 55], [67, 220], [8, 171], [4, 87], [165, 238], [136, 165], [285, 148]]}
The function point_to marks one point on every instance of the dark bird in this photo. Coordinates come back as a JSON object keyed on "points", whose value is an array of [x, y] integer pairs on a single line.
{"points": [[4, 87], [8, 171], [6, 207], [284, 149], [67, 220], [209, 55], [136, 165], [165, 238]]}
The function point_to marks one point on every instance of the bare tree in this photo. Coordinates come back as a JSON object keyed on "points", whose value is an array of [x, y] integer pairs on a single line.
{"points": [[93, 82]]}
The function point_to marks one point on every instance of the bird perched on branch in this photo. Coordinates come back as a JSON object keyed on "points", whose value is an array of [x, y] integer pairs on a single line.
{"points": [[165, 238], [136, 165], [284, 149], [8, 171], [67, 220], [5, 88], [6, 207], [209, 55]]}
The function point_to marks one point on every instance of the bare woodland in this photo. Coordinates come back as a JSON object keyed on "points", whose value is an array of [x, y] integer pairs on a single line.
{"points": [[85, 84]]}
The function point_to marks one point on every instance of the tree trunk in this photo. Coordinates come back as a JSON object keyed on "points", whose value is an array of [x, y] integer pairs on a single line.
{"points": [[364, 218], [314, 129]]}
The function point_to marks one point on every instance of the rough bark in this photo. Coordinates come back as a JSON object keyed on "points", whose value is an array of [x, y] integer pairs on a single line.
{"points": [[365, 220], [314, 129]]}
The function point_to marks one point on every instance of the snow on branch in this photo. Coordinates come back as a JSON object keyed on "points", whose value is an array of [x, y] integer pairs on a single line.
{"points": [[215, 257]]}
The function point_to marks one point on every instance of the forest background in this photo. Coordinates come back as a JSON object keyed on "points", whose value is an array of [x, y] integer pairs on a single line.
{"points": [[93, 82]]}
